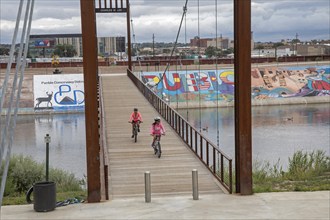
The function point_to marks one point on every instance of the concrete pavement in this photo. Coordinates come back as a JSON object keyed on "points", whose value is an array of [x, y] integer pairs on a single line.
{"points": [[284, 205]]}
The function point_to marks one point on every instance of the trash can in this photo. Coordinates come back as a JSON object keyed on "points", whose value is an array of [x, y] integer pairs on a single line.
{"points": [[44, 196]]}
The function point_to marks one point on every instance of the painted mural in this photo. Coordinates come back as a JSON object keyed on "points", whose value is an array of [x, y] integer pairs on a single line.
{"points": [[210, 85], [60, 92]]}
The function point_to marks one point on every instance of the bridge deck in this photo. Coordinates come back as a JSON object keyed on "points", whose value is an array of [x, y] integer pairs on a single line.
{"points": [[171, 174]]}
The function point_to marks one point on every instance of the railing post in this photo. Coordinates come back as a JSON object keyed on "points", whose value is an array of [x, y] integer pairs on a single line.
{"points": [[191, 138], [187, 136], [201, 147], [195, 184], [196, 144], [207, 155], [221, 168], [147, 184], [214, 161], [176, 122], [230, 177], [183, 126]]}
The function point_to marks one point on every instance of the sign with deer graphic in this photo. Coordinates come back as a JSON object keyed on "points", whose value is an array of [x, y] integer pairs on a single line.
{"points": [[45, 99], [63, 92]]}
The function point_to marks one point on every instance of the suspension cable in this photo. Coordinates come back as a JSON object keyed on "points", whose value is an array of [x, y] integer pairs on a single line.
{"points": [[187, 92], [135, 44], [177, 93], [175, 43], [11, 55], [199, 69], [185, 41], [20, 66], [4, 86], [216, 67]]}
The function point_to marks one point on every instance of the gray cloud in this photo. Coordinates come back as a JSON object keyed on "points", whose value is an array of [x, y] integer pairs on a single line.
{"points": [[272, 20]]}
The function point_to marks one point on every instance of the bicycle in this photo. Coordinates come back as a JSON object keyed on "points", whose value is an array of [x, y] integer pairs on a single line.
{"points": [[135, 129], [156, 145]]}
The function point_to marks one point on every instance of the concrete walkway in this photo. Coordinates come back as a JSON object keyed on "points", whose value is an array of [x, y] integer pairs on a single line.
{"points": [[286, 206]]}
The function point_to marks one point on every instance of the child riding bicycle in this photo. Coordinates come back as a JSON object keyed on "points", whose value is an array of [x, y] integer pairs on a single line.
{"points": [[136, 118], [157, 129]]}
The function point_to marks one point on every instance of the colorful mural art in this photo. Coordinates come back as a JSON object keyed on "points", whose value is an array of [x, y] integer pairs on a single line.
{"points": [[210, 85]]}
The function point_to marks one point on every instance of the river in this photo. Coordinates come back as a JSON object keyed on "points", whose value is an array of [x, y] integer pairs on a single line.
{"points": [[67, 149], [277, 132]]}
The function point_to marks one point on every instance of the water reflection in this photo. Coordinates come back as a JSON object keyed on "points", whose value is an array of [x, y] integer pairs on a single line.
{"points": [[274, 136], [277, 131], [67, 147]]}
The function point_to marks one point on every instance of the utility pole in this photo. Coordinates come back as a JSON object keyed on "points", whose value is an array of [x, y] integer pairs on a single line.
{"points": [[221, 47], [296, 44], [153, 45]]}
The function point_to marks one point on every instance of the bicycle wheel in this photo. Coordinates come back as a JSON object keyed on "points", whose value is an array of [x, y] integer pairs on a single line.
{"points": [[135, 133], [159, 150]]}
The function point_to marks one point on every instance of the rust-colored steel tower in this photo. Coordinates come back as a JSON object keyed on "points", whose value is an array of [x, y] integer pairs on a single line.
{"points": [[89, 39], [243, 132]]}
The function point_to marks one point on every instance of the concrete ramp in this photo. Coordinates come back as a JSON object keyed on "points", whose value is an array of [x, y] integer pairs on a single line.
{"points": [[128, 161]]}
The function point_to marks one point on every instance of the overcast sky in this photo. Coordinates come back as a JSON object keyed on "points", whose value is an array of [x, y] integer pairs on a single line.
{"points": [[272, 20]]}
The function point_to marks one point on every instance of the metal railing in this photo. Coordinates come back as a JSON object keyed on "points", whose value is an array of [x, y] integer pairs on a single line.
{"points": [[104, 162], [217, 162]]}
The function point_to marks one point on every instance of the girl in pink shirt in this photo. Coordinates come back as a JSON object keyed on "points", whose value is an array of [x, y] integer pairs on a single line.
{"points": [[136, 117], [157, 129]]}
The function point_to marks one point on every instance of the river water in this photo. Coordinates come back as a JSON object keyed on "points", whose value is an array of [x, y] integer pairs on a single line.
{"points": [[67, 149], [277, 131], [275, 135]]}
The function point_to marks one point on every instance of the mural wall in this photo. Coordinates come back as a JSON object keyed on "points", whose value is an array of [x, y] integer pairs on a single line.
{"points": [[209, 85], [60, 92]]}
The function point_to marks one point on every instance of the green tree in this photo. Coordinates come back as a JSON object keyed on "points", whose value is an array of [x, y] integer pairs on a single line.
{"points": [[276, 45], [294, 41], [4, 51], [210, 52], [228, 51], [259, 47], [65, 50], [135, 51]]}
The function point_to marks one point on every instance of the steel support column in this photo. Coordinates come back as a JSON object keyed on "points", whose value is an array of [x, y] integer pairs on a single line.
{"points": [[129, 43], [89, 40], [243, 140]]}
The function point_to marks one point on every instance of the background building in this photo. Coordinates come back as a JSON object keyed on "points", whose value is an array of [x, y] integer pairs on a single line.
{"points": [[222, 43], [43, 46]]}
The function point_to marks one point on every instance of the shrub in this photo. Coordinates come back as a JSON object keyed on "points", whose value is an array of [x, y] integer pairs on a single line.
{"points": [[64, 181], [263, 170], [23, 172], [305, 165]]}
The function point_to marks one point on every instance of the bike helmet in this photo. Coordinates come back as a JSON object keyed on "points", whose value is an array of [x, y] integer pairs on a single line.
{"points": [[135, 109], [157, 118]]}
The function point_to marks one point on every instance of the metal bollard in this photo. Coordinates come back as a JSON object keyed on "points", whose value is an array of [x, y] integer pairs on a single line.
{"points": [[195, 184], [147, 184]]}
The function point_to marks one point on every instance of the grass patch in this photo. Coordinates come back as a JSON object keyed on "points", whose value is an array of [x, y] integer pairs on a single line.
{"points": [[306, 172], [23, 172]]}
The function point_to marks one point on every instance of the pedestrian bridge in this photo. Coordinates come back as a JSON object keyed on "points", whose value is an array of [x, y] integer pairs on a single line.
{"points": [[183, 148]]}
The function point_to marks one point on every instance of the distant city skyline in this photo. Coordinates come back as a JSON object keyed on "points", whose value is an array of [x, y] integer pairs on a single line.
{"points": [[272, 20]]}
